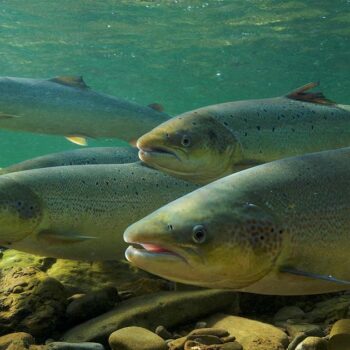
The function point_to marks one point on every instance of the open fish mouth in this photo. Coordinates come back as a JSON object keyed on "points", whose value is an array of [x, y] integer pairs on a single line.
{"points": [[156, 152], [143, 251]]}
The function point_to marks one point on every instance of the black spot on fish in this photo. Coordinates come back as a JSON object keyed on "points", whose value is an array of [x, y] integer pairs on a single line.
{"points": [[194, 123], [245, 134], [136, 193], [293, 129], [225, 123], [245, 119], [312, 127], [212, 135], [107, 183], [258, 127], [273, 129], [96, 183]]}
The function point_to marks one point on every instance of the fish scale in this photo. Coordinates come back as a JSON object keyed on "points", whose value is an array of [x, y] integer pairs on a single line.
{"points": [[82, 211], [278, 228], [228, 137], [67, 106]]}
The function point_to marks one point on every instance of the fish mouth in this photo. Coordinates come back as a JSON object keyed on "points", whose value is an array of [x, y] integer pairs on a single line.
{"points": [[140, 251], [149, 153]]}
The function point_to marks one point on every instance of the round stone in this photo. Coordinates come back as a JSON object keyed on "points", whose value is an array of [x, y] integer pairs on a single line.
{"points": [[136, 338]]}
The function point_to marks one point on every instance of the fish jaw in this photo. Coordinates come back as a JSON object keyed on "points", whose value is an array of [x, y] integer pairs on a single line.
{"points": [[158, 258]]}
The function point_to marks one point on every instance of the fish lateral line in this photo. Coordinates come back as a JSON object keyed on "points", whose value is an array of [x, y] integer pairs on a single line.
{"points": [[302, 94], [328, 278], [62, 237]]}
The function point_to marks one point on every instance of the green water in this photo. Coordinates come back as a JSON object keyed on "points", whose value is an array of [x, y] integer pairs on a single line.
{"points": [[183, 54]]}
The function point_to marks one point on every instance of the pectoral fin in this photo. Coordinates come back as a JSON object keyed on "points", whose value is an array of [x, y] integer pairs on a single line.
{"points": [[62, 237], [78, 140], [8, 116], [328, 278]]}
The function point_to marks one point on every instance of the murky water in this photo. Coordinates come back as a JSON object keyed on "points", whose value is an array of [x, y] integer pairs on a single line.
{"points": [[183, 54]]}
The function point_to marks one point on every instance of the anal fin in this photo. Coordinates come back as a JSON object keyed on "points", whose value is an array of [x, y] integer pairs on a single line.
{"points": [[62, 237], [328, 278]]}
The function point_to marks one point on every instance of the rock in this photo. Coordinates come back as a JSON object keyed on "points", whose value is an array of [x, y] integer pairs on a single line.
{"points": [[309, 329], [87, 277], [299, 338], [30, 301], [74, 346], [209, 331], [289, 313], [177, 344], [163, 332], [25, 338], [92, 304], [313, 343], [200, 324], [335, 308], [13, 258], [205, 339], [194, 345], [231, 346], [136, 338], [37, 347], [148, 311], [252, 335], [339, 338], [191, 344]]}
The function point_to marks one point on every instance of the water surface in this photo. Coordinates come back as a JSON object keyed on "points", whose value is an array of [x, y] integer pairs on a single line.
{"points": [[183, 54]]}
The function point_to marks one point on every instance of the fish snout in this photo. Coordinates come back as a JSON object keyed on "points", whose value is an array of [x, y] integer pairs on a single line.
{"points": [[20, 211]]}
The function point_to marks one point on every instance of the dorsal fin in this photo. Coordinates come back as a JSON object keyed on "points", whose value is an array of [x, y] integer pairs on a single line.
{"points": [[301, 94], [72, 81]]}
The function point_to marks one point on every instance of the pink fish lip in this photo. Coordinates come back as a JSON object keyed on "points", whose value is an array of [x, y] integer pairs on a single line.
{"points": [[154, 250]]}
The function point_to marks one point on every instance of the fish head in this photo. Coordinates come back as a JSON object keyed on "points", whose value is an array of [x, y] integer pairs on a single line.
{"points": [[203, 240], [194, 146], [20, 211]]}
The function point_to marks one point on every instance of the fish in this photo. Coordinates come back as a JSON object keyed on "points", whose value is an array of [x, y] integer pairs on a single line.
{"points": [[214, 141], [80, 212], [82, 156], [280, 228], [66, 106]]}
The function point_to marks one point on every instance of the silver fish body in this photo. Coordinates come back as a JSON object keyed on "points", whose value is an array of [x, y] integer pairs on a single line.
{"points": [[83, 156], [278, 228], [66, 106], [80, 212]]}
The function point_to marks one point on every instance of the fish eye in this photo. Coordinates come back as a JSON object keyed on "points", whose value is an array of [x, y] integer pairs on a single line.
{"points": [[186, 141], [199, 234]]}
